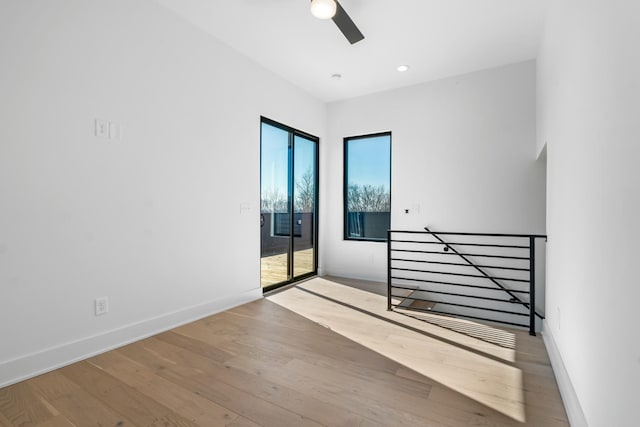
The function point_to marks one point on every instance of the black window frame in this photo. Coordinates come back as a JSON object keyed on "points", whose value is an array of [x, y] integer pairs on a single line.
{"points": [[345, 185]]}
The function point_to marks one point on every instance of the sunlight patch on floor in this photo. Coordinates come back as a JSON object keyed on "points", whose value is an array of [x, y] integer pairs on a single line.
{"points": [[471, 366]]}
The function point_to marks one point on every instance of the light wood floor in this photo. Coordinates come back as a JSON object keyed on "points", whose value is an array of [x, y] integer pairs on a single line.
{"points": [[332, 365], [273, 269]]}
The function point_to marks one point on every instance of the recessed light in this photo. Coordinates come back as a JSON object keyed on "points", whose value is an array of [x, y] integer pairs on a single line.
{"points": [[336, 76], [403, 68]]}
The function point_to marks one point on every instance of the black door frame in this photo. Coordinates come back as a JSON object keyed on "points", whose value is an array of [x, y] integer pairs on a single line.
{"points": [[292, 132]]}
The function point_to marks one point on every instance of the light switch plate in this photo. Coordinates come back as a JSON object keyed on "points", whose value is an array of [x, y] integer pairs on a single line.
{"points": [[245, 208], [114, 130]]}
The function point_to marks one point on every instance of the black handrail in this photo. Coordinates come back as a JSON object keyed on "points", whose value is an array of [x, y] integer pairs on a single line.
{"points": [[457, 233], [424, 276]]}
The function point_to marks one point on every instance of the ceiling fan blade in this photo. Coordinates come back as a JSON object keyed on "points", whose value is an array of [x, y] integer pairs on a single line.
{"points": [[346, 25]]}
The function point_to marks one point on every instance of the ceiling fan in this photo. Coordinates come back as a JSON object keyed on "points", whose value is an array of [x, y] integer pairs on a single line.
{"points": [[325, 9]]}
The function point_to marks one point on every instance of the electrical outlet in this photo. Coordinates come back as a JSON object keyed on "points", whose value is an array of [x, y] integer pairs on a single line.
{"points": [[102, 128], [413, 210], [102, 306]]}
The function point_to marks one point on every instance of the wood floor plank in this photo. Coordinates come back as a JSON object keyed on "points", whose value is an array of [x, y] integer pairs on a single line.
{"points": [[20, 406], [207, 385], [58, 421], [259, 387], [246, 404], [212, 330], [83, 409], [195, 408], [342, 368], [344, 394], [53, 385], [132, 404], [298, 344], [196, 346], [274, 317], [243, 422], [4, 422]]}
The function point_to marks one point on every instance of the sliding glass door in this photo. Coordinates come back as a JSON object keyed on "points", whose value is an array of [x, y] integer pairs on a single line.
{"points": [[288, 199], [275, 159]]}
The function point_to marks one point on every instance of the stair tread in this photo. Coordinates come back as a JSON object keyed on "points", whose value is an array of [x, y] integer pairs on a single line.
{"points": [[411, 303]]}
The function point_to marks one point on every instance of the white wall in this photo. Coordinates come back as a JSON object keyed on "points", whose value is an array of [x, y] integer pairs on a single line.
{"points": [[589, 108], [151, 220], [463, 149]]}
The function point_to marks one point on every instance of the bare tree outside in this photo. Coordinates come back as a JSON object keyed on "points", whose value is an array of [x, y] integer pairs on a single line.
{"points": [[305, 192], [368, 198], [273, 201]]}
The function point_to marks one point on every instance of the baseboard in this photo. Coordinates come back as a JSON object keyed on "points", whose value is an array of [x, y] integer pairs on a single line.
{"points": [[31, 365], [568, 393], [350, 275]]}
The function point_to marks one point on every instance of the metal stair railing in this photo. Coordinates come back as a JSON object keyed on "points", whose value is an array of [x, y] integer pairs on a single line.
{"points": [[410, 268]]}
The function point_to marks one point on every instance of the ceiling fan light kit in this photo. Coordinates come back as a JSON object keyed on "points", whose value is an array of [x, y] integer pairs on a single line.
{"points": [[323, 9]]}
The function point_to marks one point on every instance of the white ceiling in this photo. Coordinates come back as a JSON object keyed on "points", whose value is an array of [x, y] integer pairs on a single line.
{"points": [[437, 38]]}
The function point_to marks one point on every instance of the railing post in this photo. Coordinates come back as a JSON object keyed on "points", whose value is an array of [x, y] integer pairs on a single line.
{"points": [[388, 270], [532, 285]]}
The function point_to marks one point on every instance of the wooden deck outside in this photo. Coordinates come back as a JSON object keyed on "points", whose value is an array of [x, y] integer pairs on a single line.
{"points": [[273, 269]]}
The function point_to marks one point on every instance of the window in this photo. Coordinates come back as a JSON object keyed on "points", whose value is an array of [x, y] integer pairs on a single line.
{"points": [[367, 187]]}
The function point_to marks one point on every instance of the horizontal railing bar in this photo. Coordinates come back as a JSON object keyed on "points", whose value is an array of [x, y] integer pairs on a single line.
{"points": [[458, 295], [459, 264], [462, 244], [460, 315], [458, 274], [453, 253], [457, 233], [435, 282], [495, 310]]}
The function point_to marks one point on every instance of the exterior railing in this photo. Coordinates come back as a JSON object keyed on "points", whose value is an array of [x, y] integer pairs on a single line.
{"points": [[481, 276]]}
